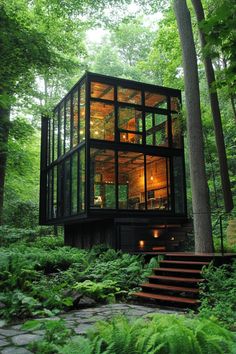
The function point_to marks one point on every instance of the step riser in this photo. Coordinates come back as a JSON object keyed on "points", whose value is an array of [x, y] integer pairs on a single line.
{"points": [[188, 258], [177, 274], [170, 292], [164, 264], [185, 283]]}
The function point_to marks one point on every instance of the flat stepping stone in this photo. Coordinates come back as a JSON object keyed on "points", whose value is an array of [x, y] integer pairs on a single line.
{"points": [[24, 339], [14, 350]]}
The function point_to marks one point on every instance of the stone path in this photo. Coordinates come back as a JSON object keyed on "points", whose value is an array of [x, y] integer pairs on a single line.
{"points": [[13, 340]]}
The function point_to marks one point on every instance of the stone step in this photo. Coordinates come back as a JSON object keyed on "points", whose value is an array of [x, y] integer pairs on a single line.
{"points": [[167, 298]]}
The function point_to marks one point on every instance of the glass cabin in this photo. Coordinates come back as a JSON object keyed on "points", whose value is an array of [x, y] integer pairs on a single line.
{"points": [[112, 156]]}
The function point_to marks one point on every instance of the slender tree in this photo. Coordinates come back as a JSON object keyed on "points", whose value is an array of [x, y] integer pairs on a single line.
{"points": [[215, 109], [200, 193]]}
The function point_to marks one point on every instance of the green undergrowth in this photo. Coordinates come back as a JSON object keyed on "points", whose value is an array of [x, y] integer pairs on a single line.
{"points": [[218, 294], [41, 277], [164, 334]]}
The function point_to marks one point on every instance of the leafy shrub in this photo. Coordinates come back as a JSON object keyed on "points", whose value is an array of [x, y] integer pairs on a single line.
{"points": [[106, 290], [9, 235], [218, 294], [23, 214], [56, 335], [160, 334]]}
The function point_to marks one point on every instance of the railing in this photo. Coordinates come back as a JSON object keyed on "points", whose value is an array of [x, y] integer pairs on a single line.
{"points": [[219, 221]]}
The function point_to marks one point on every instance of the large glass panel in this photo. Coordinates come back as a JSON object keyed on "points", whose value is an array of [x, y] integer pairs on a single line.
{"points": [[82, 114], [67, 196], [50, 140], [68, 125], [157, 175], [102, 179], [131, 188], [177, 139], [62, 129], [155, 100], [178, 168], [60, 190], [174, 104], [104, 91], [55, 135], [54, 209], [49, 194], [102, 121], [74, 183], [129, 95], [75, 118], [82, 179], [156, 129], [130, 119]]}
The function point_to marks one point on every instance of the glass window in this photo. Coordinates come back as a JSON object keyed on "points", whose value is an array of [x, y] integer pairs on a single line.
{"points": [[50, 135], [62, 127], [67, 197], [176, 128], [49, 194], [67, 126], [129, 95], [82, 114], [130, 138], [82, 179], [102, 121], [174, 104], [60, 190], [130, 119], [102, 179], [157, 175], [75, 118], [179, 189], [55, 135], [74, 183], [131, 190], [156, 126], [104, 91], [155, 100], [54, 212]]}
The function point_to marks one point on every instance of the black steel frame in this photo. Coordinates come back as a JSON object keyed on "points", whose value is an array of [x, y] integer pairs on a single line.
{"points": [[47, 150]]}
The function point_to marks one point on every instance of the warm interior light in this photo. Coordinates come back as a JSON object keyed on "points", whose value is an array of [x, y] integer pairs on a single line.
{"points": [[81, 131], [172, 238], [151, 178], [141, 243], [155, 233], [96, 132]]}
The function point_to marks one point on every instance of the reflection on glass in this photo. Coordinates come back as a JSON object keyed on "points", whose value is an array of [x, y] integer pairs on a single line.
{"points": [[130, 119], [102, 121], [157, 182], [129, 95], [62, 127], [54, 208], [102, 91], [60, 190], [82, 179], [50, 138], [67, 188], [131, 180], [82, 114], [179, 184], [174, 104], [68, 122], [102, 179], [75, 118], [55, 135], [74, 183], [156, 126], [49, 194], [177, 139], [155, 100], [130, 138]]}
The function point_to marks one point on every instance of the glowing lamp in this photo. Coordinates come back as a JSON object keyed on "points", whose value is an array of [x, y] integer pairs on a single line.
{"points": [[155, 233], [141, 243]]}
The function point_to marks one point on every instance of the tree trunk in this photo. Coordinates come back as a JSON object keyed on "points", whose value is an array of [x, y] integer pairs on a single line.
{"points": [[215, 109], [200, 193], [232, 97], [4, 132]]}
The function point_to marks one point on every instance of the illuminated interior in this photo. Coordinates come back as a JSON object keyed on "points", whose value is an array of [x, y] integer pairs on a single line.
{"points": [[114, 144]]}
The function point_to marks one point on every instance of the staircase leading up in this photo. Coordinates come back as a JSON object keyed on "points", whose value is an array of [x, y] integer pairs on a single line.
{"points": [[176, 281]]}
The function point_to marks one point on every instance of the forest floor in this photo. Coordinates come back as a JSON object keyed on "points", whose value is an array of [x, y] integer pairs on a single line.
{"points": [[14, 339]]}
